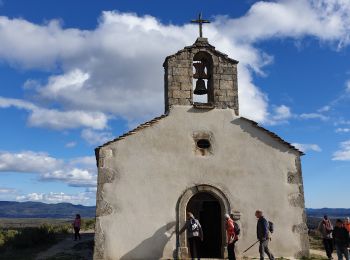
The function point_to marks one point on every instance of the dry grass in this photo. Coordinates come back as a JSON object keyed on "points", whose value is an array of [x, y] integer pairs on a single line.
{"points": [[315, 240]]}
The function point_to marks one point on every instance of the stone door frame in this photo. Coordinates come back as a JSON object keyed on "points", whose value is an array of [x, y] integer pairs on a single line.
{"points": [[181, 239]]}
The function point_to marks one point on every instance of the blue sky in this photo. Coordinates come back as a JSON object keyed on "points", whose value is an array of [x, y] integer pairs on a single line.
{"points": [[75, 74]]}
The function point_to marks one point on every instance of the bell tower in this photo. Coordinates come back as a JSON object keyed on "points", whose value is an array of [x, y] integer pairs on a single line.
{"points": [[200, 70], [201, 76]]}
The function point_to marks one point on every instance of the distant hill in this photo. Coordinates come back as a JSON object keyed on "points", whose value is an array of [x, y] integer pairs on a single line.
{"points": [[314, 216], [331, 212], [12, 209]]}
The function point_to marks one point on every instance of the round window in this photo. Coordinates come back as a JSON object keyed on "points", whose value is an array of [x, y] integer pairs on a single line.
{"points": [[203, 143]]}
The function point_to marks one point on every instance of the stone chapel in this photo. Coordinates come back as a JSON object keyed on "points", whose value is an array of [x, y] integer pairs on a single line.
{"points": [[200, 157]]}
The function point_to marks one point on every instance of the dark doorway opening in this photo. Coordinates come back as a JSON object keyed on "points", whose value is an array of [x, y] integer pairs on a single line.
{"points": [[206, 208]]}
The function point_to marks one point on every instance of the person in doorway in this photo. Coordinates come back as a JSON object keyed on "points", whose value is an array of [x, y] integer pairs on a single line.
{"points": [[263, 235], [347, 224], [325, 228], [231, 237], [76, 227], [341, 240], [194, 235]]}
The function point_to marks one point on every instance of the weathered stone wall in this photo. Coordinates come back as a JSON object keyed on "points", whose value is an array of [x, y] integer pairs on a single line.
{"points": [[142, 178], [179, 74], [178, 80], [296, 178]]}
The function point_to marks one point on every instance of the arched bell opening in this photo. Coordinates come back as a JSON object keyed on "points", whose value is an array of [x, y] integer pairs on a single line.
{"points": [[203, 78]]}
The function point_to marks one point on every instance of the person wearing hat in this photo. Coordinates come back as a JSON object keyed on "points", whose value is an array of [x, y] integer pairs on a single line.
{"points": [[194, 235], [325, 228], [231, 237]]}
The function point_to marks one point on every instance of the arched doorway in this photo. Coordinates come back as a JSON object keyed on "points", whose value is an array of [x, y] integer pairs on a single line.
{"points": [[206, 208], [212, 199]]}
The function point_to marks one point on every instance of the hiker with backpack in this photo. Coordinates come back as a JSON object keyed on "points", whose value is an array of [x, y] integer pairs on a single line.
{"points": [[341, 240], [194, 235], [232, 236], [263, 230], [325, 228]]}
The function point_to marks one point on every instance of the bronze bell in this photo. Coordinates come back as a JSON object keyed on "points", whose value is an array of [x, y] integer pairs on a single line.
{"points": [[200, 88], [200, 73]]}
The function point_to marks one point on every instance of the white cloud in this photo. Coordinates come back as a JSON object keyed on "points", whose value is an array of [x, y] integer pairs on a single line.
{"points": [[87, 197], [75, 177], [31, 84], [55, 119], [116, 68], [327, 20], [18, 103], [344, 153], [7, 190], [70, 144], [96, 137], [342, 130], [85, 160], [58, 197], [282, 112], [314, 116], [342, 122], [77, 172], [342, 98], [67, 83], [67, 119], [28, 161], [280, 115], [91, 189], [307, 147], [348, 86], [324, 109], [7, 193], [44, 44]]}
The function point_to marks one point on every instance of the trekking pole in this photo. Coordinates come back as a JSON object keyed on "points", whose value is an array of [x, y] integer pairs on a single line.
{"points": [[250, 247]]}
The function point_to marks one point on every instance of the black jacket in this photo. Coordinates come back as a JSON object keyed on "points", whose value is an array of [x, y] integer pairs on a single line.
{"points": [[341, 236], [262, 229]]}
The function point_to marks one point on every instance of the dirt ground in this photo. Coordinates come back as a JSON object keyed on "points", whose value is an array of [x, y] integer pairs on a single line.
{"points": [[70, 249]]}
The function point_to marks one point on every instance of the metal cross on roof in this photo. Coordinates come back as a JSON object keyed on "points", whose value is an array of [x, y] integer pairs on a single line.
{"points": [[200, 21]]}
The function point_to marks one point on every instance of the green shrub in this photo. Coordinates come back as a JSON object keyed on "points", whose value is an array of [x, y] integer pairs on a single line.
{"points": [[2, 239], [315, 240], [6, 237], [31, 237], [88, 224], [62, 229]]}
